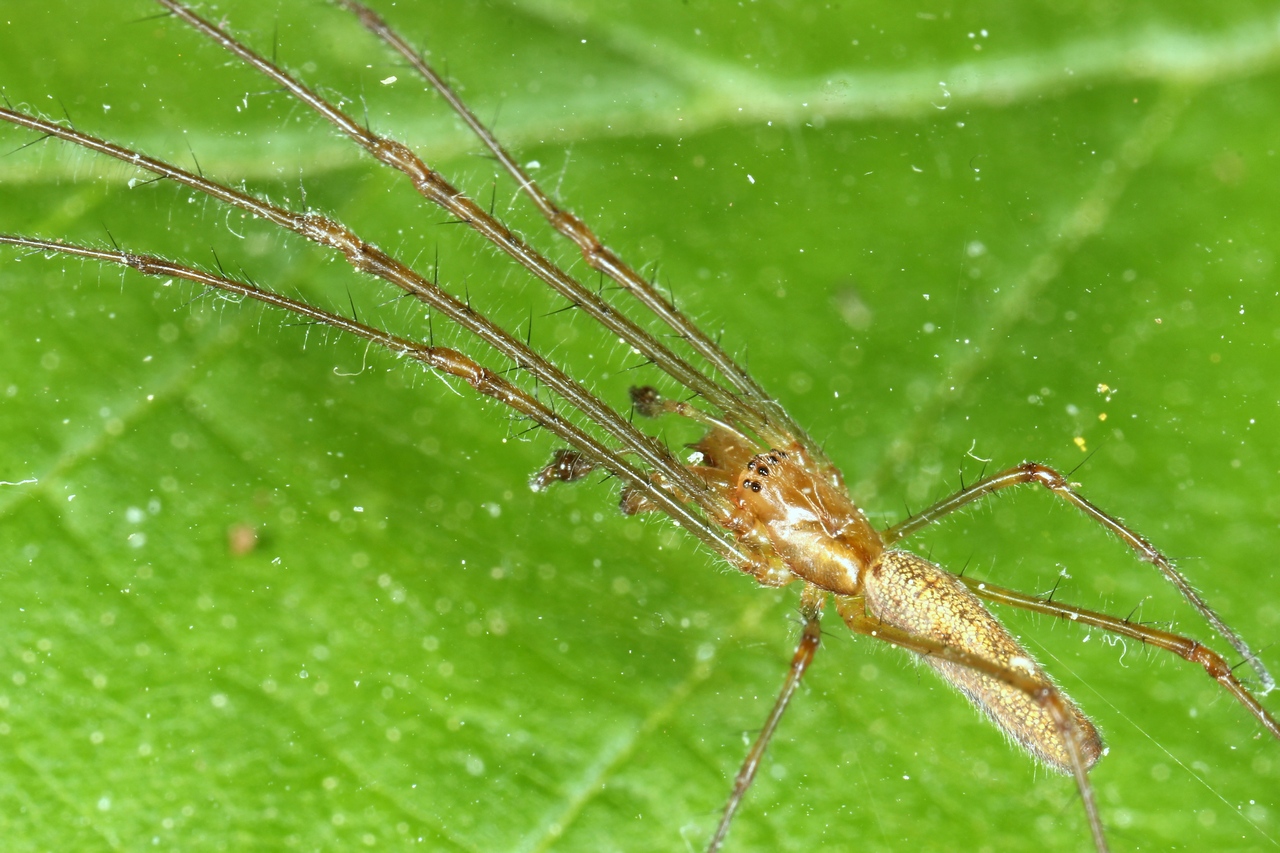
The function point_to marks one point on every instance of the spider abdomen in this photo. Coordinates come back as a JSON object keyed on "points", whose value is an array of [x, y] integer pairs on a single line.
{"points": [[910, 593]]}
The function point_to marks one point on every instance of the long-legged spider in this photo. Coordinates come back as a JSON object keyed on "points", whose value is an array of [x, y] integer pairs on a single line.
{"points": [[208, 599]]}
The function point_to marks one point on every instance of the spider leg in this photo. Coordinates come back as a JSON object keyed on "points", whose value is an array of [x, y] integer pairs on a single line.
{"points": [[1044, 693], [1184, 647], [811, 602], [745, 400], [1033, 473]]}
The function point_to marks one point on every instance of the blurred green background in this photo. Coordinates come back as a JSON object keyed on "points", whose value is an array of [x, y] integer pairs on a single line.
{"points": [[271, 591]]}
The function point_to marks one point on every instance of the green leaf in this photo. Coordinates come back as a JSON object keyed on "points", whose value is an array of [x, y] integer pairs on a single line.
{"points": [[938, 234]]}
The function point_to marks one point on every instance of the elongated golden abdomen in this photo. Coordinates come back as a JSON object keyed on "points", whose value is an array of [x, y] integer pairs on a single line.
{"points": [[911, 593]]}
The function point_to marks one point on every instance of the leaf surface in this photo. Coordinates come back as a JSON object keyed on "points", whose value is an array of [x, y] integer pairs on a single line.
{"points": [[271, 590]]}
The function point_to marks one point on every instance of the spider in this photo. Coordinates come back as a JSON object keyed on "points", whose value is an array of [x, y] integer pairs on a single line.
{"points": [[376, 583]]}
